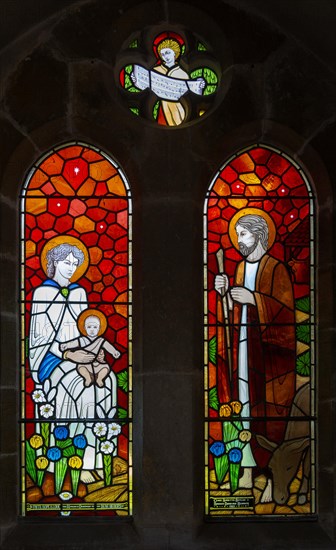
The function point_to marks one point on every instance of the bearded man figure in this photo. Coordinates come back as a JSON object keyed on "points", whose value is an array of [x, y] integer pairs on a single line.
{"points": [[262, 327]]}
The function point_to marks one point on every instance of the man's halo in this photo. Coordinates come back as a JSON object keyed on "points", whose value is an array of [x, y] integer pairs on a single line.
{"points": [[256, 212], [66, 239], [88, 313]]}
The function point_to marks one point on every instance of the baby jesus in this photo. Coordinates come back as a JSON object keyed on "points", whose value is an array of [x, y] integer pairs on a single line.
{"points": [[96, 369]]}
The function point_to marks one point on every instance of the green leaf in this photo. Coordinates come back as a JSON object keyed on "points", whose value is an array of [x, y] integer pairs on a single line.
{"points": [[133, 89], [221, 464], [213, 399], [209, 90], [60, 472], [156, 110], [123, 380], [135, 110], [230, 432], [122, 413], [213, 350], [64, 443], [234, 476], [30, 461], [303, 364], [210, 78], [45, 432], [75, 474], [303, 304], [69, 451], [201, 47], [40, 477], [196, 73], [107, 460], [133, 44], [303, 333]]}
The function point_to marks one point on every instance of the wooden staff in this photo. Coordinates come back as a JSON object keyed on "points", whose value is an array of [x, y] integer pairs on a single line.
{"points": [[220, 262]]}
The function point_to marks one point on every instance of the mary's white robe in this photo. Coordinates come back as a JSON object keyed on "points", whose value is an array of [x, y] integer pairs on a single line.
{"points": [[54, 321]]}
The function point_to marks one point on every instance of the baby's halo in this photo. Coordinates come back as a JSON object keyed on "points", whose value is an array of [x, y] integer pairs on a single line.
{"points": [[92, 313]]}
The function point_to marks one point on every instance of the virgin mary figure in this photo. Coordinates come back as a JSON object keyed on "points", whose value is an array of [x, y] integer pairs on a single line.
{"points": [[56, 305]]}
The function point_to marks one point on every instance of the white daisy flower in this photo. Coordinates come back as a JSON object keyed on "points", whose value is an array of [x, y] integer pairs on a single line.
{"points": [[47, 410], [38, 396], [113, 430], [107, 447], [100, 429], [65, 495]]}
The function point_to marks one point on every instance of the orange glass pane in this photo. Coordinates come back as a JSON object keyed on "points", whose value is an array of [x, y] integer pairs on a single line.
{"points": [[116, 186], [30, 248], [271, 182], [243, 163], [70, 152], [121, 309], [238, 203], [52, 165], [93, 274], [87, 188], [95, 255], [90, 155], [61, 186], [221, 188], [250, 179], [36, 206], [83, 224], [255, 191], [38, 179], [102, 171]]}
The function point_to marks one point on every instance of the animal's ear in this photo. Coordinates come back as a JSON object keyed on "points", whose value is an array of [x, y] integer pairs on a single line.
{"points": [[266, 443], [297, 445]]}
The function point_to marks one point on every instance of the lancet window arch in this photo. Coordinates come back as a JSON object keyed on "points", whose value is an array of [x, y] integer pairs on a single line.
{"points": [[76, 335], [260, 337]]}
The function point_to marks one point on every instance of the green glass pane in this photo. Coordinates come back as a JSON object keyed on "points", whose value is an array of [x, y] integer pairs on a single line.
{"points": [[156, 110], [201, 47], [210, 78]]}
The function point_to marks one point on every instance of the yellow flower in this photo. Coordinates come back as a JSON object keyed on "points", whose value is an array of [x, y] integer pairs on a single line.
{"points": [[245, 435], [75, 462], [41, 463], [236, 406], [225, 410], [36, 441]]}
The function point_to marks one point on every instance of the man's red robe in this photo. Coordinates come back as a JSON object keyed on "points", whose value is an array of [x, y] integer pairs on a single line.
{"points": [[271, 351]]}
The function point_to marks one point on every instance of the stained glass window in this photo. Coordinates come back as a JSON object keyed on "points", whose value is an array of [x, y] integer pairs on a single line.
{"points": [[176, 84], [76, 318], [259, 330]]}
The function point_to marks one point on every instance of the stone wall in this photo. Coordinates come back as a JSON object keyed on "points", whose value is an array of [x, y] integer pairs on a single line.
{"points": [[58, 83]]}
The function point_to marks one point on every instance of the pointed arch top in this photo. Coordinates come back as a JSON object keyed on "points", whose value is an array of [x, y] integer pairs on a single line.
{"points": [[76, 319], [260, 336]]}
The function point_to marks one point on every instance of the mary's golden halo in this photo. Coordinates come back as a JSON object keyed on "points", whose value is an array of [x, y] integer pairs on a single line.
{"points": [[89, 313], [66, 239], [255, 212]]}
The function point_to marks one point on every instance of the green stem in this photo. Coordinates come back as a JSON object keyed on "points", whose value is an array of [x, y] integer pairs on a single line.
{"points": [[75, 474], [108, 469], [60, 471], [40, 477]]}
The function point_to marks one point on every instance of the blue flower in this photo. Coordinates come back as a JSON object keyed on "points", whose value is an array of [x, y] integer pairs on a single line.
{"points": [[61, 433], [54, 454], [235, 455], [80, 441], [217, 448]]}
